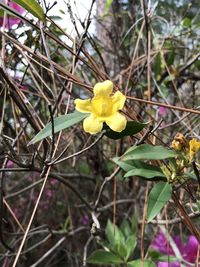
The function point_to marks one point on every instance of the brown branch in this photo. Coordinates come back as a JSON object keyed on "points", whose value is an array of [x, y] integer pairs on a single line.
{"points": [[163, 105]]}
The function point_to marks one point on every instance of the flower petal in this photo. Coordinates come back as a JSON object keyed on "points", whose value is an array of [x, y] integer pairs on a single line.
{"points": [[168, 264], [104, 88], [191, 249], [179, 244], [116, 122], [10, 20], [161, 244], [92, 125], [83, 105], [118, 100], [16, 7]]}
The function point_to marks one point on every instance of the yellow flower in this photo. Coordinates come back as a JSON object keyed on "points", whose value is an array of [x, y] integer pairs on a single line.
{"points": [[194, 147], [180, 142], [176, 145], [103, 107]]}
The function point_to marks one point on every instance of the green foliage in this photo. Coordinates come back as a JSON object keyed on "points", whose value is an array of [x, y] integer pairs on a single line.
{"points": [[103, 257], [158, 197], [148, 171], [68, 120], [123, 165], [146, 151], [132, 127], [187, 22], [120, 244], [139, 168], [33, 7], [113, 233], [167, 258], [60, 123], [156, 256], [139, 263]]}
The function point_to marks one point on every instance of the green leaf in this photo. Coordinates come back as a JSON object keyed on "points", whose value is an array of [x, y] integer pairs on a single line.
{"points": [[138, 168], [125, 228], [167, 258], [120, 249], [132, 127], [158, 197], [156, 256], [129, 230], [187, 22], [131, 243], [116, 240], [103, 257], [134, 222], [146, 151], [148, 172], [33, 7], [139, 263], [189, 175], [60, 123], [124, 166], [113, 234]]}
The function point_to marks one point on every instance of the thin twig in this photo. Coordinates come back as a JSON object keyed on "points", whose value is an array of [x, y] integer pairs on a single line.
{"points": [[163, 105], [81, 151], [106, 179]]}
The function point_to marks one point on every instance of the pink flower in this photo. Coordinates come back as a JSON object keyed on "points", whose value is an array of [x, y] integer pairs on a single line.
{"points": [[48, 193], [10, 20], [189, 251], [53, 181], [162, 111], [9, 164], [168, 264]]}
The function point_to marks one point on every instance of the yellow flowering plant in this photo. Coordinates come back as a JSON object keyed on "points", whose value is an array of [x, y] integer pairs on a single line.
{"points": [[194, 148], [187, 154], [189, 149], [103, 107]]}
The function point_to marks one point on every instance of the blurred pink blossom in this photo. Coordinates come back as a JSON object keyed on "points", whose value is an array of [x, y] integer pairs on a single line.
{"points": [[189, 252], [162, 111], [10, 20], [49, 193], [9, 164], [53, 181], [84, 220], [191, 249]]}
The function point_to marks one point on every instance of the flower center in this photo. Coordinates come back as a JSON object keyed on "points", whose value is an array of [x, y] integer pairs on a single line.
{"points": [[101, 106]]}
